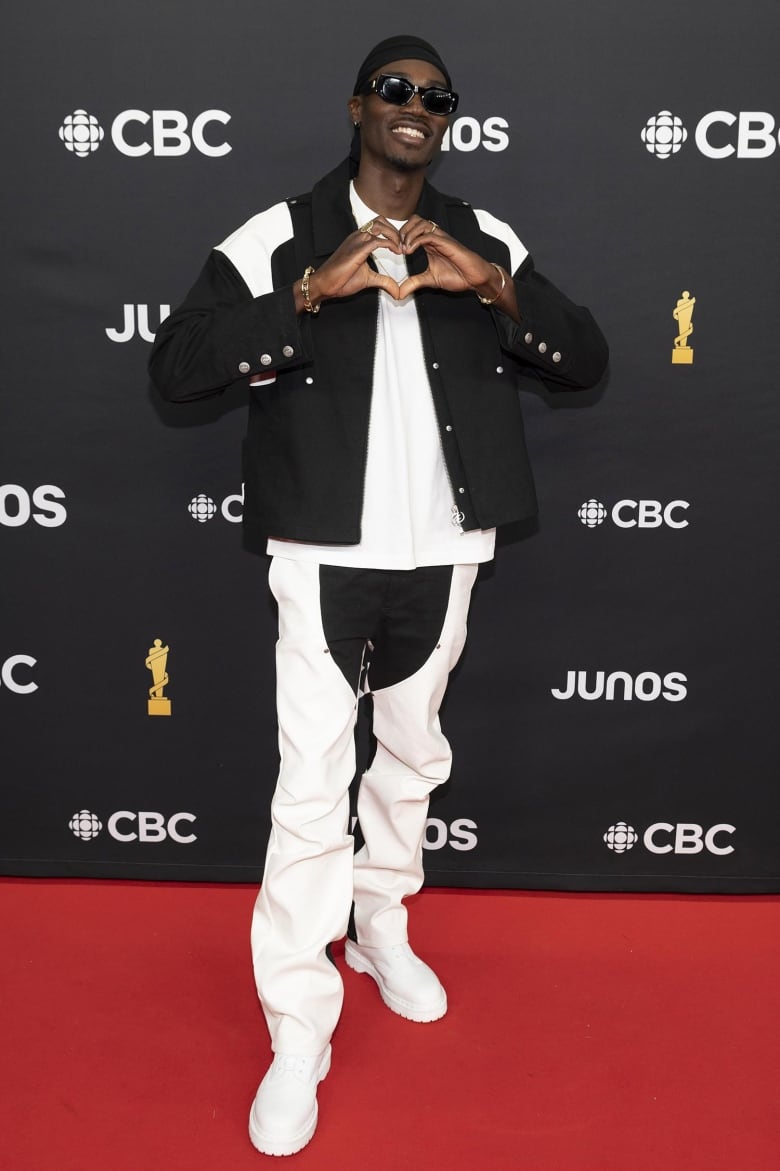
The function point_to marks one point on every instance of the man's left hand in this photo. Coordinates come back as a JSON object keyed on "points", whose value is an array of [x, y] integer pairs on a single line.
{"points": [[451, 266]]}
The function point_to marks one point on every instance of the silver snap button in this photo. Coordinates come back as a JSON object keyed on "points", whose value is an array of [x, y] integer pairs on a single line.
{"points": [[436, 365], [309, 381], [461, 490], [556, 356], [288, 351], [542, 347], [448, 427], [529, 337], [244, 367], [265, 359], [499, 369]]}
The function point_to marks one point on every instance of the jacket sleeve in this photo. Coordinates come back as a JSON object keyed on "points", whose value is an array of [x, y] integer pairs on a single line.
{"points": [[555, 339], [221, 333], [558, 339]]}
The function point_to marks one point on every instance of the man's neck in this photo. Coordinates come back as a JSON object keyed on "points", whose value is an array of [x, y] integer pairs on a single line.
{"points": [[393, 194]]}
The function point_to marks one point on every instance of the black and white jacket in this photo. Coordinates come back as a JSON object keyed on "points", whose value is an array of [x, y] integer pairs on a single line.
{"points": [[310, 377]]}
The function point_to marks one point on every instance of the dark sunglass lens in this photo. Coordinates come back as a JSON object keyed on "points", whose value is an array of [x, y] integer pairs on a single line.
{"points": [[396, 90], [439, 101]]}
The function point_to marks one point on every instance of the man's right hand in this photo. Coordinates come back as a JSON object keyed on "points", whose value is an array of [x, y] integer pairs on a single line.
{"points": [[347, 271]]}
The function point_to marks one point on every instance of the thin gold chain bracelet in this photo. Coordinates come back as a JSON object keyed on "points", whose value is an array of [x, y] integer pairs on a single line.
{"points": [[492, 300], [305, 292]]}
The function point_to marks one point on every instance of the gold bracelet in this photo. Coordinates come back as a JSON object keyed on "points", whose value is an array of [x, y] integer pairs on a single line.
{"points": [[492, 300], [305, 292]]}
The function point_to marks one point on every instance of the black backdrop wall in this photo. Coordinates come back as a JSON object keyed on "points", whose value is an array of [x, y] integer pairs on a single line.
{"points": [[614, 715]]}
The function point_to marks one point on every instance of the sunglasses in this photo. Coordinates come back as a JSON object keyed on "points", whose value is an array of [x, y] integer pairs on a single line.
{"points": [[400, 92]]}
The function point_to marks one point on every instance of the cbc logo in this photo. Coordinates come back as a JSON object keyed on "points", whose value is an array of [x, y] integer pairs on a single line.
{"points": [[631, 514], [756, 135], [664, 134], [18, 506], [13, 679], [81, 133], [202, 508], [85, 825], [467, 134], [647, 686], [164, 133], [664, 838], [126, 826], [621, 837]]}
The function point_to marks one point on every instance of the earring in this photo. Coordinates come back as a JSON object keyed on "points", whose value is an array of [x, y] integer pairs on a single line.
{"points": [[356, 125]]}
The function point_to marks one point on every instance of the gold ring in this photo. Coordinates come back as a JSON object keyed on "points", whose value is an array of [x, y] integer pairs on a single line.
{"points": [[433, 226], [367, 228]]}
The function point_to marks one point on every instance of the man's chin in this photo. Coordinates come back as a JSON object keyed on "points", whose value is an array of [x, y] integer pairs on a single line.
{"points": [[406, 165]]}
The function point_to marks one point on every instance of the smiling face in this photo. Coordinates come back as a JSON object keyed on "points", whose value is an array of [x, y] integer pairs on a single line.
{"points": [[404, 138]]}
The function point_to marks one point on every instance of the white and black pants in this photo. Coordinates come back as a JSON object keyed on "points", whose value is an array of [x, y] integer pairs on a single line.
{"points": [[408, 628]]}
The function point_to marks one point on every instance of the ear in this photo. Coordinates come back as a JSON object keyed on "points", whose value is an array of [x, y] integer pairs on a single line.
{"points": [[355, 107]]}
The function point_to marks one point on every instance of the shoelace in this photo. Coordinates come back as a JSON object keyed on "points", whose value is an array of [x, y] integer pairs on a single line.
{"points": [[286, 1064]]}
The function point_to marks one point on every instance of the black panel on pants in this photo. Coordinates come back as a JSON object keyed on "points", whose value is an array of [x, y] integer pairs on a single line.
{"points": [[400, 612]]}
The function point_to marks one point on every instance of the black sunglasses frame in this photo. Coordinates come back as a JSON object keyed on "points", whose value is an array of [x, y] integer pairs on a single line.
{"points": [[377, 86]]}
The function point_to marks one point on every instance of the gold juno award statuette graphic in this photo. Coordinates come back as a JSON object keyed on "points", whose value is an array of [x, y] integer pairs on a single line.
{"points": [[682, 354], [156, 660]]}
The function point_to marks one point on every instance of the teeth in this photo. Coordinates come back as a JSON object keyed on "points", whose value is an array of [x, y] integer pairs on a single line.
{"points": [[409, 130]]}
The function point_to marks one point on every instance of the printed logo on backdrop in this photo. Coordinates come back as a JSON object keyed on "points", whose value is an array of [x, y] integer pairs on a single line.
{"points": [[662, 837], [203, 509], [136, 321], [18, 506], [750, 134], [156, 662], [682, 354], [647, 686], [81, 133], [128, 826], [162, 133], [15, 674], [467, 134], [664, 134], [632, 514], [458, 835]]}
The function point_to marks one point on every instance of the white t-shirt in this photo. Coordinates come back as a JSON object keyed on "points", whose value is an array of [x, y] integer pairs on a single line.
{"points": [[410, 517]]}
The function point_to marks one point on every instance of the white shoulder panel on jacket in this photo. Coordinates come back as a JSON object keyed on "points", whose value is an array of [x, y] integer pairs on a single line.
{"points": [[251, 246], [517, 249]]}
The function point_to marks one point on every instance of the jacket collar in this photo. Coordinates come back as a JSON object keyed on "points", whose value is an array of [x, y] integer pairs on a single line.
{"points": [[332, 217]]}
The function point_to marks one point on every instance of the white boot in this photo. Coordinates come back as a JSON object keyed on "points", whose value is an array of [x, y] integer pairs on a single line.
{"points": [[283, 1117], [406, 984]]}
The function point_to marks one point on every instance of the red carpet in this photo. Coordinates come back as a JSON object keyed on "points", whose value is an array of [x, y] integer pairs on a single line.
{"points": [[585, 1033]]}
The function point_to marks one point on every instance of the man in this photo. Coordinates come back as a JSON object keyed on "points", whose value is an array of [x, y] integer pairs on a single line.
{"points": [[378, 324]]}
